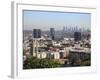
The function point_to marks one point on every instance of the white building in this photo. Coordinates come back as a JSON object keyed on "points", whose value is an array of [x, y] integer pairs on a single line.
{"points": [[35, 48], [43, 54], [53, 55], [56, 55]]}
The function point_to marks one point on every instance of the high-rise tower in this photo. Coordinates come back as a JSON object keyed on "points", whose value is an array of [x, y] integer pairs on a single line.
{"points": [[52, 33], [36, 33]]}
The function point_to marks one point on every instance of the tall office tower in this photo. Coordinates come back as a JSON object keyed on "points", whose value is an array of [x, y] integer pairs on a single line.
{"points": [[77, 36], [76, 29], [64, 28], [52, 33], [70, 28], [83, 29], [36, 33]]}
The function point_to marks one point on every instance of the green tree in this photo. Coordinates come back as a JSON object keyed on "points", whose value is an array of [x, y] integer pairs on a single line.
{"points": [[33, 62]]}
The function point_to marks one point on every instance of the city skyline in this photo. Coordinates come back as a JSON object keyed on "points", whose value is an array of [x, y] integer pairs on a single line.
{"points": [[45, 20], [56, 39]]}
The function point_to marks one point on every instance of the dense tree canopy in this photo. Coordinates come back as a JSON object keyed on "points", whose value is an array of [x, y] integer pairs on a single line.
{"points": [[32, 63]]}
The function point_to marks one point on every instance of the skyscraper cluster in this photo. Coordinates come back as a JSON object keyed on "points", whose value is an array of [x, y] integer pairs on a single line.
{"points": [[73, 29]]}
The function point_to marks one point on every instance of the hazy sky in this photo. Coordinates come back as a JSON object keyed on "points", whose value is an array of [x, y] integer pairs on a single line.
{"points": [[45, 20]]}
